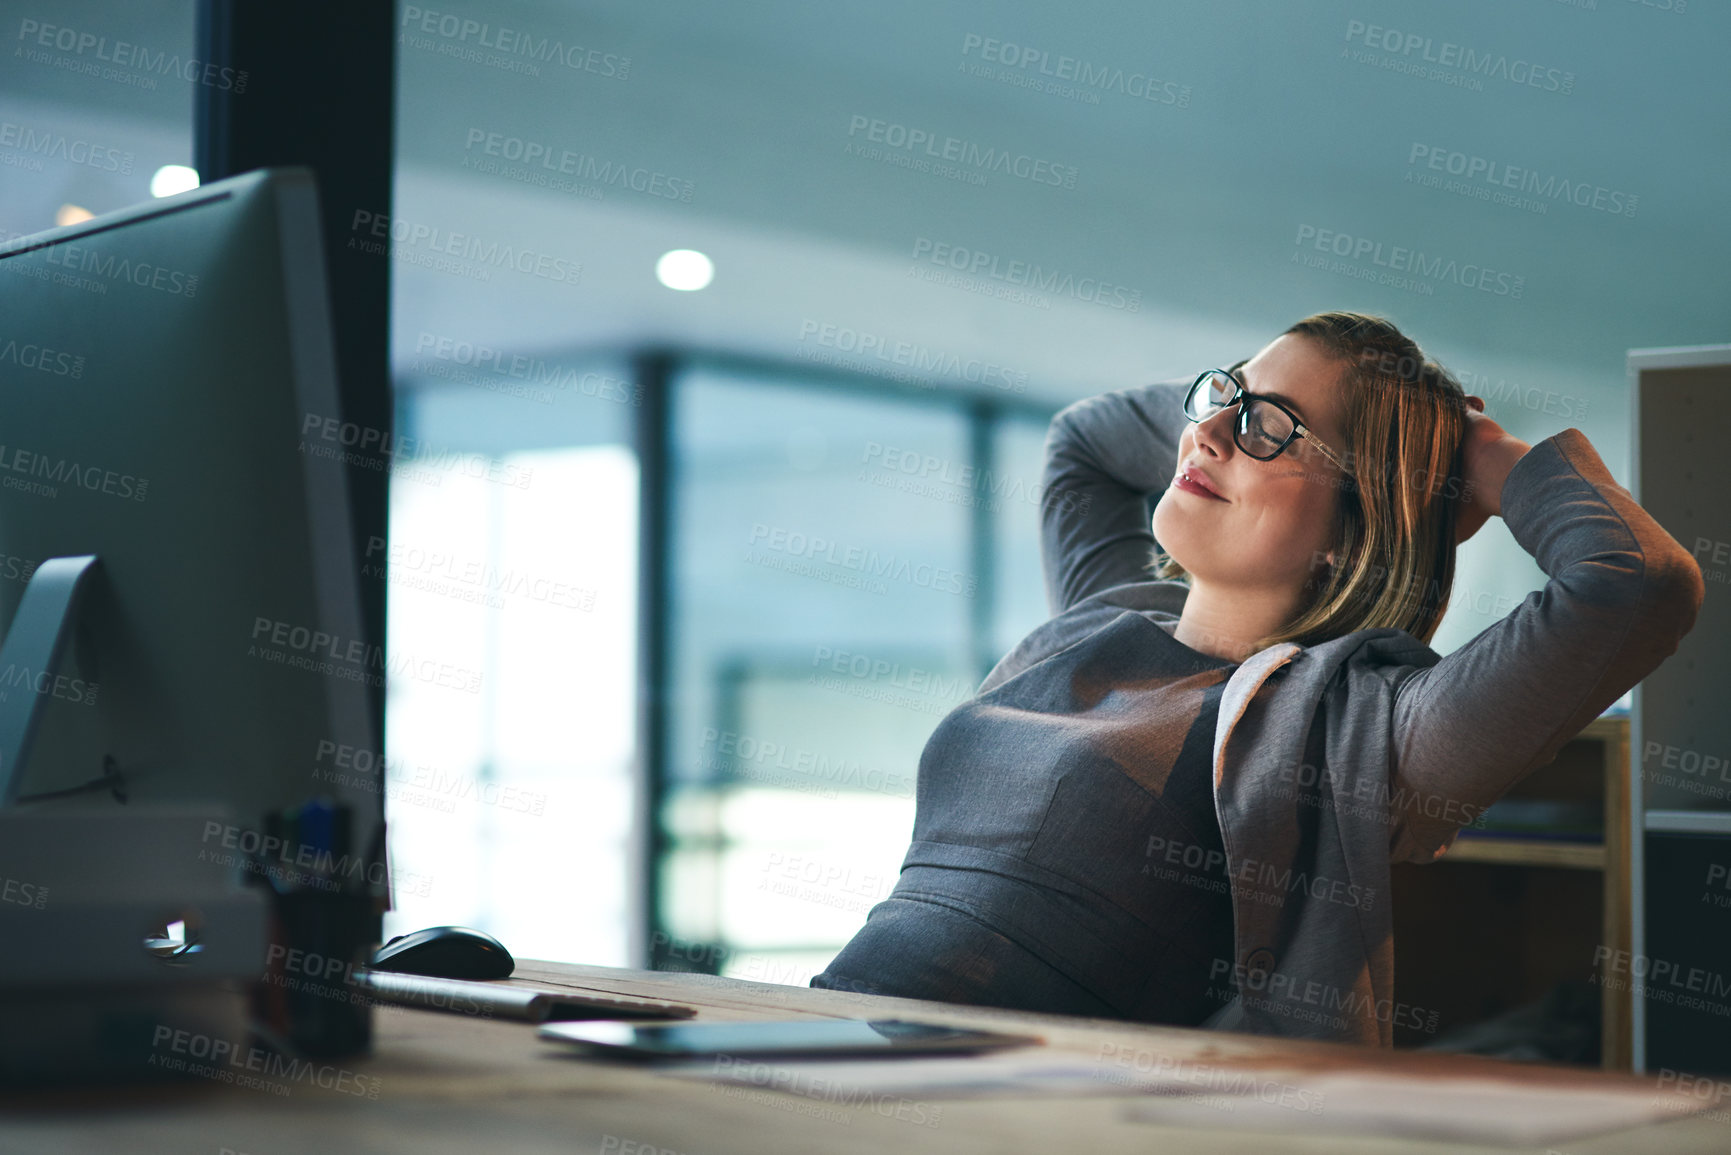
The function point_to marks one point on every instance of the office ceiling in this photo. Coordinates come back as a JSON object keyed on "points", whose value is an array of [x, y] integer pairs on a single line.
{"points": [[1196, 208], [1274, 126]]}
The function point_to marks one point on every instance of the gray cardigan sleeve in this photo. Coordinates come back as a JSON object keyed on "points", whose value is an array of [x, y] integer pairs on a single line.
{"points": [[1621, 594], [1104, 455]]}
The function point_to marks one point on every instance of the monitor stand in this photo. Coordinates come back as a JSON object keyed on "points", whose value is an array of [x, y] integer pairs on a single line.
{"points": [[34, 645], [92, 994]]}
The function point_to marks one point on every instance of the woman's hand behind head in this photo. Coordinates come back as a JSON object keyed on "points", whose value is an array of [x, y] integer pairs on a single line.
{"points": [[1488, 452]]}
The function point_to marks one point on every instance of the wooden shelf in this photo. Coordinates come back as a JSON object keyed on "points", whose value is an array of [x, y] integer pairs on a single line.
{"points": [[1475, 944], [1613, 726], [1528, 852]]}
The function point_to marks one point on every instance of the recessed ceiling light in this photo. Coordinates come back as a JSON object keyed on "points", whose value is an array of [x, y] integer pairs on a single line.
{"points": [[685, 269], [171, 179]]}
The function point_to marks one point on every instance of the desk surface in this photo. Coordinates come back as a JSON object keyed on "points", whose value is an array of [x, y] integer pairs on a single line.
{"points": [[455, 1083]]}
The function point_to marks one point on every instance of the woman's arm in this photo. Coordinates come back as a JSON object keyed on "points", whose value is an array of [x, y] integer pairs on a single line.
{"points": [[1622, 594], [1104, 455]]}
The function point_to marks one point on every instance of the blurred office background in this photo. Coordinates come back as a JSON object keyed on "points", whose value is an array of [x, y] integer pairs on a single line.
{"points": [[837, 503]]}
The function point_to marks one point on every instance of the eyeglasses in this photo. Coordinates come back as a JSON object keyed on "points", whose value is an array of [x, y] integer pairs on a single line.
{"points": [[1264, 427]]}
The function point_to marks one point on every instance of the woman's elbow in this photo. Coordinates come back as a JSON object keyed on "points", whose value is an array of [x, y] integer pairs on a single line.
{"points": [[1658, 593], [1677, 592]]}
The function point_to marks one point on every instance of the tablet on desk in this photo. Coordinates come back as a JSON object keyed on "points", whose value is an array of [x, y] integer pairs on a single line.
{"points": [[808, 1038]]}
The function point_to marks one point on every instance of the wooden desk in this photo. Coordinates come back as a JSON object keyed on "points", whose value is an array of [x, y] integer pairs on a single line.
{"points": [[451, 1083]]}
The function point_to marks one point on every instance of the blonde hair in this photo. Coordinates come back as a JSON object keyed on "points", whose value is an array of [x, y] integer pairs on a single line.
{"points": [[1394, 547]]}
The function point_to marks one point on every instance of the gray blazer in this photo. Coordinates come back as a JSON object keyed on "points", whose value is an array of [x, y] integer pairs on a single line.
{"points": [[1417, 745]]}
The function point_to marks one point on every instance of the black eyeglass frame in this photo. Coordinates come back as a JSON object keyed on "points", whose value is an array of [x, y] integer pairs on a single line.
{"points": [[1242, 424]]}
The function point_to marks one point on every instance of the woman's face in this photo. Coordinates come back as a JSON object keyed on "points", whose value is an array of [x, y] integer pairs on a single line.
{"points": [[1277, 519]]}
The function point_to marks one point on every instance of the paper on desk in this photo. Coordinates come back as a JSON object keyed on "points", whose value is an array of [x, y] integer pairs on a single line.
{"points": [[1477, 1110], [1030, 1071], [1219, 1093]]}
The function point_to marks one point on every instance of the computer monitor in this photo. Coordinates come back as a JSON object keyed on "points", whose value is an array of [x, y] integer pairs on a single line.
{"points": [[159, 370]]}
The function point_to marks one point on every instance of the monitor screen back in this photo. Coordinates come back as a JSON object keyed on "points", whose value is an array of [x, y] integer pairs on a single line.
{"points": [[157, 369]]}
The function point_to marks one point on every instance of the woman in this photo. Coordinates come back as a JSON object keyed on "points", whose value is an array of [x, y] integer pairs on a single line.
{"points": [[1177, 802]]}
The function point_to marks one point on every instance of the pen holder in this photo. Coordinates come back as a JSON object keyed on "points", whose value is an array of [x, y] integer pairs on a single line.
{"points": [[308, 999]]}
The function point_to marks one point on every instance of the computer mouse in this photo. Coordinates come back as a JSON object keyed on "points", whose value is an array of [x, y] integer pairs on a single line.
{"points": [[446, 952]]}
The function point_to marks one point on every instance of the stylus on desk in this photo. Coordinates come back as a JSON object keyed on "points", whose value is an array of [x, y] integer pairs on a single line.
{"points": [[496, 1000]]}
